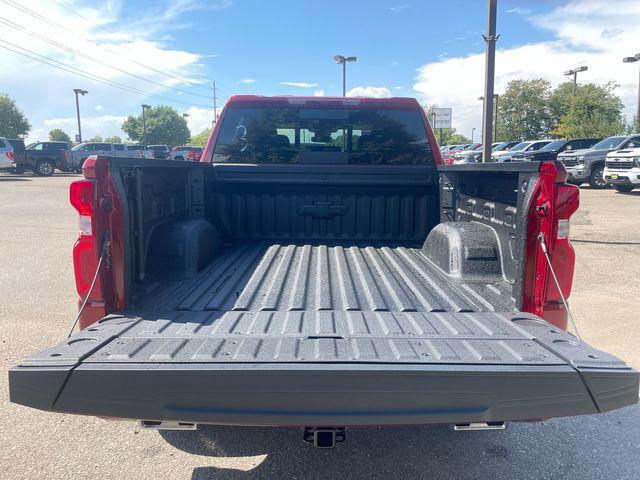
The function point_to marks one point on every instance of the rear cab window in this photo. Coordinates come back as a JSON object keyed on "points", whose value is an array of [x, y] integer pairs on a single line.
{"points": [[333, 135]]}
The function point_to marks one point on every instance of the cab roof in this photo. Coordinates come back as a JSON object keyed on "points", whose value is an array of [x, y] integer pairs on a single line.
{"points": [[396, 103]]}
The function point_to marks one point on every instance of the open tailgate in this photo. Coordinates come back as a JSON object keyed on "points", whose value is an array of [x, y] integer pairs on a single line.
{"points": [[324, 368]]}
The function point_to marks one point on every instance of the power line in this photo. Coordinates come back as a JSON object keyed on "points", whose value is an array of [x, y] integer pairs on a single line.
{"points": [[68, 68], [89, 57], [58, 25]]}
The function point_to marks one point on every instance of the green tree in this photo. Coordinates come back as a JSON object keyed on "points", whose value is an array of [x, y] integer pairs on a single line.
{"points": [[594, 111], [96, 139], [456, 139], [13, 123], [113, 139], [524, 112], [200, 140], [58, 135], [164, 125]]}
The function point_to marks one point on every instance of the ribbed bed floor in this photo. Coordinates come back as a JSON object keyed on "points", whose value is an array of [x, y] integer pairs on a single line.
{"points": [[259, 276]]}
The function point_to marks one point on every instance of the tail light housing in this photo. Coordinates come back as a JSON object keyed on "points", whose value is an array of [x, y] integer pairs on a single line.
{"points": [[85, 252], [553, 203], [11, 156]]}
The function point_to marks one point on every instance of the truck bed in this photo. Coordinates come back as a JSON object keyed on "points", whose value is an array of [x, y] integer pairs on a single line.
{"points": [[359, 277], [322, 334]]}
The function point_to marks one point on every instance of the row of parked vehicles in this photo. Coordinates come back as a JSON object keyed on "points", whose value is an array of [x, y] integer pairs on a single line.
{"points": [[613, 161], [43, 158]]}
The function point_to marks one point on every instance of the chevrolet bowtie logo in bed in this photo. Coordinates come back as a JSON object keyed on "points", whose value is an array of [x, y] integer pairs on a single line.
{"points": [[323, 210]]}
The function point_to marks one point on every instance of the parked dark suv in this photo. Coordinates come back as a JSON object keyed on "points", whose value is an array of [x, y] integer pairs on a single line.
{"points": [[551, 150], [42, 158]]}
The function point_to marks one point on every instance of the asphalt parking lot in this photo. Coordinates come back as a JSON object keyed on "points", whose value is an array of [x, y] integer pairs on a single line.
{"points": [[37, 306]]}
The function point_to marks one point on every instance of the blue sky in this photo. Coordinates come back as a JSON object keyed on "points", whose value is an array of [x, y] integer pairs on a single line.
{"points": [[426, 49]]}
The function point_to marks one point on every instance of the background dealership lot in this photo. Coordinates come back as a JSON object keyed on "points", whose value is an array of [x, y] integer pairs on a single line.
{"points": [[38, 305]]}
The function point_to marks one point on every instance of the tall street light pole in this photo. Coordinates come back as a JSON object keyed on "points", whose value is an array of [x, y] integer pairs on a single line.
{"points": [[81, 92], [634, 59], [473, 130], [574, 72], [340, 59], [496, 97], [489, 76], [144, 123]]}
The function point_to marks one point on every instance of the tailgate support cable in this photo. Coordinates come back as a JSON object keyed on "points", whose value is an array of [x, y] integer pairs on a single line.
{"points": [[103, 251], [545, 250]]}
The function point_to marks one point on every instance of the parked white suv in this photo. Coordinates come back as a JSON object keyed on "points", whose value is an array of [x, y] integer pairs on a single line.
{"points": [[622, 169]]}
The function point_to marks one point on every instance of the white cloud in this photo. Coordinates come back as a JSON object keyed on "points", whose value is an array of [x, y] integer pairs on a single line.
{"points": [[318, 93], [248, 80], [400, 8], [104, 125], [199, 119], [519, 11], [375, 92], [125, 40], [300, 84], [397, 87], [577, 28]]}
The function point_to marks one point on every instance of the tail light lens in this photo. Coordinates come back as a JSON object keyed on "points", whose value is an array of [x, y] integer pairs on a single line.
{"points": [[11, 156], [85, 253]]}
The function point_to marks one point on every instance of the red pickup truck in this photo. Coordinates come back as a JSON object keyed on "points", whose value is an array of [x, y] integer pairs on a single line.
{"points": [[321, 267]]}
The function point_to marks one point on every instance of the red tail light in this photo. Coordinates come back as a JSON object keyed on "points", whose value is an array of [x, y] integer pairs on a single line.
{"points": [[553, 203], [81, 193], [11, 156]]}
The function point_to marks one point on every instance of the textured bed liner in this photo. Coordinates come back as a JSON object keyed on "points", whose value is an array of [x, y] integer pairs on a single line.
{"points": [[323, 335], [259, 276]]}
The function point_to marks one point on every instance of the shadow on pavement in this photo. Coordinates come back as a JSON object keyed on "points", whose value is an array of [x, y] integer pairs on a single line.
{"points": [[593, 447], [14, 179]]}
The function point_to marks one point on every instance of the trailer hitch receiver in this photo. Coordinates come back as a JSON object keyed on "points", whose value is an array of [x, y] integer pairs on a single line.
{"points": [[324, 437]]}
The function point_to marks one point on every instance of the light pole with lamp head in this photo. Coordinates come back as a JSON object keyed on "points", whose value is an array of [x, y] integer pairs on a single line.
{"points": [[81, 92], [574, 72], [144, 124], [634, 59], [341, 59]]}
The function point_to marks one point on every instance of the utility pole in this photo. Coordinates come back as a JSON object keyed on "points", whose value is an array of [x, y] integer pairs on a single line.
{"points": [[341, 59], [215, 104], [144, 123], [473, 130], [489, 77], [81, 92], [634, 59]]}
